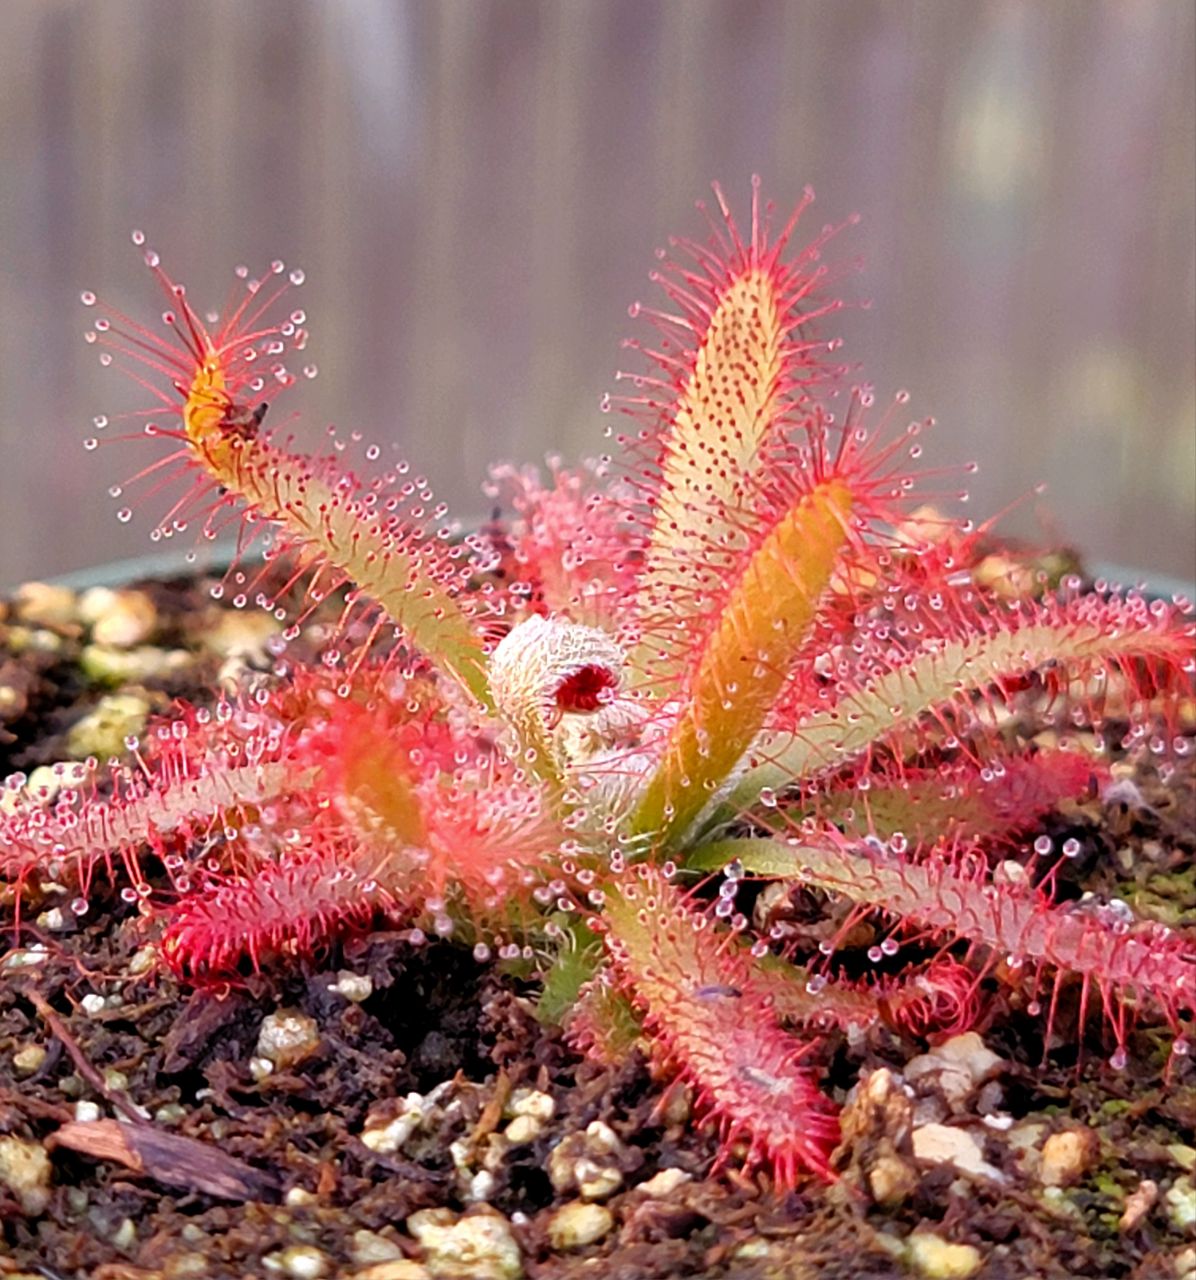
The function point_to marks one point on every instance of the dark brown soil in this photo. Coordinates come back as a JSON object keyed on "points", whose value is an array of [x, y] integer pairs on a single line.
{"points": [[191, 1165]]}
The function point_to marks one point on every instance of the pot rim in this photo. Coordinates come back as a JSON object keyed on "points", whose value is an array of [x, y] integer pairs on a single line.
{"points": [[216, 556]]}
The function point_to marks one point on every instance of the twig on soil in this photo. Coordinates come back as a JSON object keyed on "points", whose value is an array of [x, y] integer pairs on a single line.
{"points": [[34, 1106], [167, 1157], [491, 1114], [116, 1097]]}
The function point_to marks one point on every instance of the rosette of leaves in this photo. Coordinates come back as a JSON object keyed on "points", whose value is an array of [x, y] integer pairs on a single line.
{"points": [[728, 652]]}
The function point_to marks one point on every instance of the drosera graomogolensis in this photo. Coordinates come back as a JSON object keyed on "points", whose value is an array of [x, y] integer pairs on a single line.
{"points": [[735, 659]]}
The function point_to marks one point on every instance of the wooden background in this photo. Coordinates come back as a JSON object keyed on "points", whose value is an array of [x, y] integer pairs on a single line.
{"points": [[475, 189]]}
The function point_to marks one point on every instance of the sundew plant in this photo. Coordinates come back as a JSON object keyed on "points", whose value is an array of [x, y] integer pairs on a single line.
{"points": [[609, 739]]}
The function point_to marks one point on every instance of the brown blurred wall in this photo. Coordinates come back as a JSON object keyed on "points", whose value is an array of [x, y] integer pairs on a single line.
{"points": [[475, 189]]}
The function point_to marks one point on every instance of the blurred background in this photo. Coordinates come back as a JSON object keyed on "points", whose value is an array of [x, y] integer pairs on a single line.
{"points": [[475, 189]]}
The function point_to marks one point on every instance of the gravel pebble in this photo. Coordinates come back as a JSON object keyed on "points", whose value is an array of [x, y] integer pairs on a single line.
{"points": [[287, 1038], [575, 1225], [1066, 1155], [385, 1133], [120, 619], [531, 1110], [42, 605], [1180, 1202], [477, 1246], [300, 1261], [29, 1058], [355, 987], [107, 665], [944, 1144], [957, 1068], [369, 1246], [103, 731], [25, 1171], [1138, 1204], [399, 1269], [236, 634], [663, 1184], [47, 780], [589, 1162], [938, 1259], [25, 957]]}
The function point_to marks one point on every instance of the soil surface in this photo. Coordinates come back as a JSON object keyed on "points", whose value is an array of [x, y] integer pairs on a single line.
{"points": [[305, 1123]]}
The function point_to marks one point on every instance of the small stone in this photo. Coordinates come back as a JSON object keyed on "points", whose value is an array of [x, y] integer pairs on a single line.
{"points": [[385, 1133], [106, 665], [1184, 1263], [876, 1126], [943, 1144], [575, 1225], [94, 603], [29, 1058], [287, 1038], [40, 604], [47, 780], [54, 921], [356, 987], [522, 1130], [939, 1259], [1026, 1136], [145, 959], [186, 1266], [33, 640], [1137, 1205], [25, 1171], [891, 1180], [369, 1246], [531, 1102], [236, 634], [260, 1068], [301, 1261], [479, 1187], [531, 1110], [477, 1246], [93, 1005], [1065, 1156], [399, 1269], [1180, 1202], [103, 731], [970, 1051], [25, 957], [119, 619], [87, 1111], [957, 1067], [754, 1249], [589, 1161], [125, 1236], [71, 1086], [662, 1185], [299, 1197]]}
